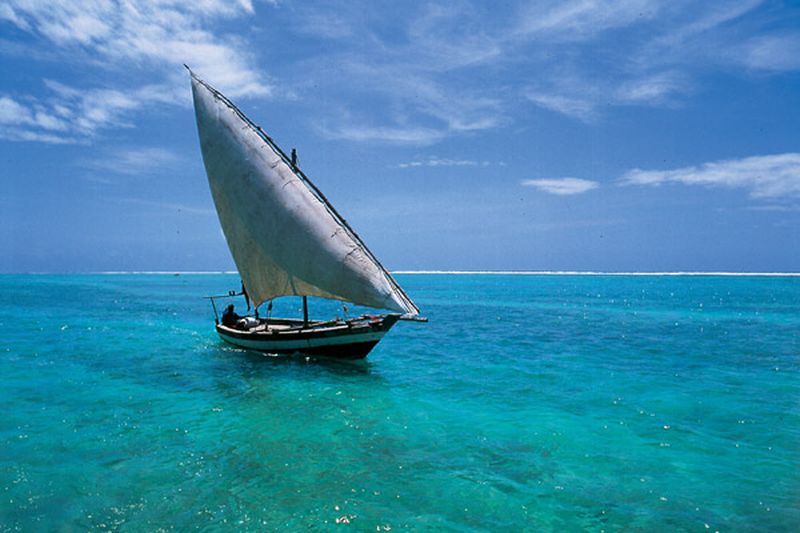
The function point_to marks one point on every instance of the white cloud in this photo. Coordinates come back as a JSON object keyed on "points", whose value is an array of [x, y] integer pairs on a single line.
{"points": [[584, 98], [580, 19], [580, 107], [690, 22], [391, 135], [462, 66], [775, 208], [12, 113], [76, 115], [562, 186], [135, 161], [460, 112], [426, 72], [650, 89], [772, 52], [445, 162], [8, 13], [412, 95], [164, 33], [20, 122], [409, 79], [154, 37], [766, 177], [17, 134], [664, 44], [93, 109], [453, 36], [422, 74]]}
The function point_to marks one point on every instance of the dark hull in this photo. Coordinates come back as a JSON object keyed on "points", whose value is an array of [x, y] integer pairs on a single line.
{"points": [[351, 339]]}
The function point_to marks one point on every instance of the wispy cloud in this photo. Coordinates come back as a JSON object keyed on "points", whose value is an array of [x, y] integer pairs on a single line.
{"points": [[445, 162], [8, 13], [135, 161], [164, 34], [765, 177], [416, 76], [418, 136], [408, 75], [22, 122], [771, 52], [582, 108], [415, 104], [686, 27], [562, 186], [156, 37], [459, 68], [459, 111], [581, 19], [665, 44], [775, 208], [584, 99], [71, 115]]}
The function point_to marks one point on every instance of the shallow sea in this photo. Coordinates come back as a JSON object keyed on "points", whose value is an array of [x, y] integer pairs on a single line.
{"points": [[527, 403]]}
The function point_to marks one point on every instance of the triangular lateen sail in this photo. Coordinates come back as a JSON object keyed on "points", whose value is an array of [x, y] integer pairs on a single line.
{"points": [[285, 237]]}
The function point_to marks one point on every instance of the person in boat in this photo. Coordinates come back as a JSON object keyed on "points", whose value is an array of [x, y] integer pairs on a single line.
{"points": [[229, 317]]}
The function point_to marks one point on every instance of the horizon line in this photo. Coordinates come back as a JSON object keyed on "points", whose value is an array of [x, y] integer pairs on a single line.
{"points": [[597, 273], [449, 272]]}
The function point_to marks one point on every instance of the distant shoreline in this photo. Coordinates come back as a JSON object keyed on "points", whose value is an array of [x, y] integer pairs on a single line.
{"points": [[451, 272]]}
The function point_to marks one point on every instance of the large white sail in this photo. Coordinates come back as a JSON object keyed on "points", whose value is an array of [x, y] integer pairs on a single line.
{"points": [[285, 238]]}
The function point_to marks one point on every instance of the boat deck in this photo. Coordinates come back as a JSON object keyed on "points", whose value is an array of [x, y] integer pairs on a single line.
{"points": [[281, 326], [347, 339]]}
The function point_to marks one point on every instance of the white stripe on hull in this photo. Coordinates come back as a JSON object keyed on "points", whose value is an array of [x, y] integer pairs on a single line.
{"points": [[302, 344]]}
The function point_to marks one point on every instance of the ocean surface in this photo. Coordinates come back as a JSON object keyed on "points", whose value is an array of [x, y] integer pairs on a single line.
{"points": [[527, 403]]}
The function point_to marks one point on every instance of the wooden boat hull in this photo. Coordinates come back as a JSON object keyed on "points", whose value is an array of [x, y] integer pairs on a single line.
{"points": [[351, 339]]}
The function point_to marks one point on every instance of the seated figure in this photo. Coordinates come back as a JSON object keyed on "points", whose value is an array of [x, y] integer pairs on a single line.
{"points": [[229, 317]]}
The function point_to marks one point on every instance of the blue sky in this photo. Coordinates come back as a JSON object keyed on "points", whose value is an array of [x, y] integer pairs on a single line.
{"points": [[568, 135]]}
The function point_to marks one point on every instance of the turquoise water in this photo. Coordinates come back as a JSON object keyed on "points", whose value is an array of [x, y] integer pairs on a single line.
{"points": [[528, 403]]}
